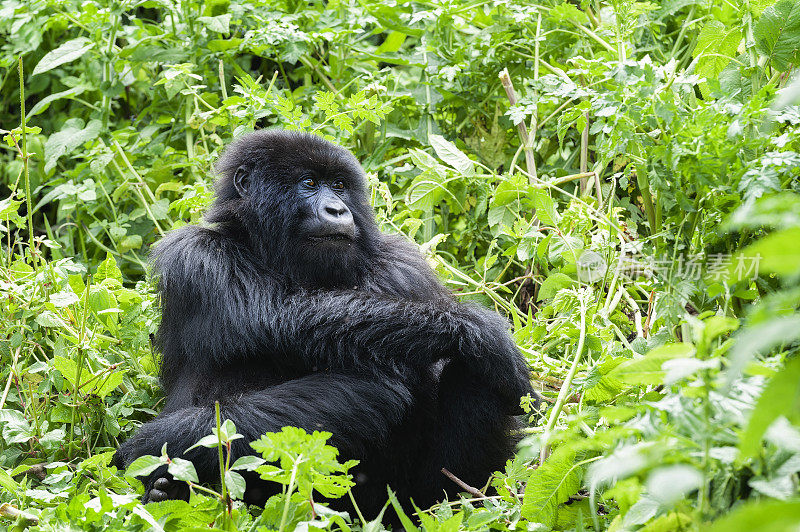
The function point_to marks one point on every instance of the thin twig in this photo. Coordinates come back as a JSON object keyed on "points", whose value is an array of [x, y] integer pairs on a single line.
{"points": [[475, 492]]}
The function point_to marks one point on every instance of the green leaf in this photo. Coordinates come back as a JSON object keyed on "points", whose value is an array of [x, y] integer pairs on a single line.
{"points": [[8, 483], [393, 42], [550, 485], [426, 191], [648, 369], [761, 516], [553, 284], [235, 483], [69, 51], [545, 208], [42, 105], [777, 34], [220, 23], [247, 463], [72, 134], [777, 252], [716, 46], [144, 465], [182, 470], [448, 152], [64, 299], [780, 397], [48, 318], [108, 269]]}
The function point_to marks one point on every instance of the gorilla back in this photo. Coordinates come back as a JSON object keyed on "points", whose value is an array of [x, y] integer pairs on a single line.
{"points": [[290, 307]]}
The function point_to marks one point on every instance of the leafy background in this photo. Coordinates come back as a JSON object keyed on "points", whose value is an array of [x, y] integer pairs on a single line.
{"points": [[508, 139]]}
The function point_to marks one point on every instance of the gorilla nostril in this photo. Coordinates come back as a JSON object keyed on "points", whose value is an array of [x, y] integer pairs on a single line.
{"points": [[336, 210]]}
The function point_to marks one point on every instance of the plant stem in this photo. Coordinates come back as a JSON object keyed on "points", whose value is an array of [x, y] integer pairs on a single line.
{"points": [[221, 460], [25, 157], [289, 491], [564, 391]]}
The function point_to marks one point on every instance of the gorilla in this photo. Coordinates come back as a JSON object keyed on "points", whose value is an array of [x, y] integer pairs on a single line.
{"points": [[291, 308]]}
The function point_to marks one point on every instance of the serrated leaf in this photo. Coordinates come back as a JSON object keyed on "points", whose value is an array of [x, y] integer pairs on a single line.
{"points": [[716, 45], [64, 299], [426, 191], [48, 318], [777, 34], [545, 208], [649, 369], [220, 23], [449, 153], [553, 284], [72, 134], [108, 269], [67, 52], [550, 485]]}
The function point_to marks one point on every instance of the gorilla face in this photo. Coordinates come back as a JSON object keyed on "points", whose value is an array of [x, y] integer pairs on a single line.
{"points": [[302, 201]]}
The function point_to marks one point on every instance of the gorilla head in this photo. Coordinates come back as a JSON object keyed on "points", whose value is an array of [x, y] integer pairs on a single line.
{"points": [[301, 202]]}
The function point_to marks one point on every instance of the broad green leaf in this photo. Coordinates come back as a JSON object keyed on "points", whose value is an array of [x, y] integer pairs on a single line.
{"points": [[42, 105], [545, 208], [182, 469], [235, 483], [550, 485], [64, 299], [426, 191], [649, 369], [777, 252], [716, 46], [72, 134], [144, 465], [108, 269], [554, 282], [247, 463], [781, 397], [69, 51], [220, 23], [512, 189], [448, 152], [48, 318], [777, 34]]}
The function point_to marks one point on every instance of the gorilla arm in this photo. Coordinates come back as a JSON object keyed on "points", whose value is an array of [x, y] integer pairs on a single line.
{"points": [[219, 307]]}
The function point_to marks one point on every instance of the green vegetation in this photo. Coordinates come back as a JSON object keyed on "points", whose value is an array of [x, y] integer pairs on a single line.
{"points": [[508, 139]]}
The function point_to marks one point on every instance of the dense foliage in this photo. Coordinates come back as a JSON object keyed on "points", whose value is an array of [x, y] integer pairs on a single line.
{"points": [[618, 178]]}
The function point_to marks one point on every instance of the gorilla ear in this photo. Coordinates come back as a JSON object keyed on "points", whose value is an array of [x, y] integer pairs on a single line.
{"points": [[241, 180]]}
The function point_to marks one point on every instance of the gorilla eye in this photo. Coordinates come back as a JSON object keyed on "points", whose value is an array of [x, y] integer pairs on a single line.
{"points": [[338, 185], [310, 183]]}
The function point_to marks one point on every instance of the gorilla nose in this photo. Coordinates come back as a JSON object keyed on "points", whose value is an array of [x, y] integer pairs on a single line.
{"points": [[336, 218], [335, 210]]}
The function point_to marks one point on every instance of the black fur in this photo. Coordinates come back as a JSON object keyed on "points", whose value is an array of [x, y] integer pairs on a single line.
{"points": [[355, 337]]}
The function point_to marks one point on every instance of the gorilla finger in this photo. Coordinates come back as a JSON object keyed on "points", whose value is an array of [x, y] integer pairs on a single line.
{"points": [[157, 495], [161, 484]]}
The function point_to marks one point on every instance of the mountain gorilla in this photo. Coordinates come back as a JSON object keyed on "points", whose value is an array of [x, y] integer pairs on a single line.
{"points": [[292, 308]]}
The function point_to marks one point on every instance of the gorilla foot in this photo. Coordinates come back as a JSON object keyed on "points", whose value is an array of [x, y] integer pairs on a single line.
{"points": [[164, 489]]}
